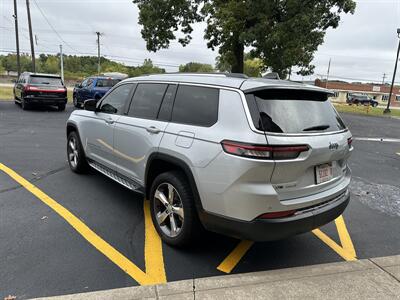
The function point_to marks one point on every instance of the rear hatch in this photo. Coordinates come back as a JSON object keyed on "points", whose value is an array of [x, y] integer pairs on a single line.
{"points": [[307, 124], [43, 86]]}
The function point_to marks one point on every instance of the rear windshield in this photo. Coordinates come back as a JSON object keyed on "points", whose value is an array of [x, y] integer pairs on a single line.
{"points": [[290, 111], [106, 82], [45, 80]]}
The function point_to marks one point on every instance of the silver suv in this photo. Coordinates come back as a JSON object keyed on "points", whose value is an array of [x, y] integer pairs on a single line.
{"points": [[251, 158]]}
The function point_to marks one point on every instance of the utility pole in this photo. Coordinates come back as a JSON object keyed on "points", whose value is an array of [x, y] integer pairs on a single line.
{"points": [[62, 63], [387, 110], [383, 78], [98, 51], [16, 37], [327, 74], [28, 10]]}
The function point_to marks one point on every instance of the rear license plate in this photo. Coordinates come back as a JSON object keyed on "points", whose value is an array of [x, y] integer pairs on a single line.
{"points": [[323, 173]]}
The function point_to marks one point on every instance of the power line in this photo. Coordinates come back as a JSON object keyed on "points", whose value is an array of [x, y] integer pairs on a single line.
{"points": [[52, 27]]}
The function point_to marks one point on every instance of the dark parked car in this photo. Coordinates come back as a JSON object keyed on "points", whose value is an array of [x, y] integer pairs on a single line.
{"points": [[359, 99], [35, 88], [92, 88]]}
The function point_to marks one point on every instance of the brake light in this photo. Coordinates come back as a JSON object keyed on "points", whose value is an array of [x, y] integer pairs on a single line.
{"points": [[277, 214], [263, 152], [349, 141], [30, 88]]}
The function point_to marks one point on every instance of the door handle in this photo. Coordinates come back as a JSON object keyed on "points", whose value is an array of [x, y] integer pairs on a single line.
{"points": [[153, 129], [109, 121]]}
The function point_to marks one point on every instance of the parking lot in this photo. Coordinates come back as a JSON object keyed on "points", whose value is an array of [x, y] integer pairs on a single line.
{"points": [[63, 233]]}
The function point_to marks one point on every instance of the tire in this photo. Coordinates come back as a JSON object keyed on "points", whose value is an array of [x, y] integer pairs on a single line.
{"points": [[61, 107], [181, 209], [75, 101], [75, 155], [24, 105]]}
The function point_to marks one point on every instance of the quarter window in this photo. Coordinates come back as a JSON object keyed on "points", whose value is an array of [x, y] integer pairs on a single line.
{"points": [[115, 101], [147, 100], [196, 106]]}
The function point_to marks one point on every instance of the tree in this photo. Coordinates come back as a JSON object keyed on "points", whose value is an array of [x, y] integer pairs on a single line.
{"points": [[283, 33], [252, 66], [194, 67]]}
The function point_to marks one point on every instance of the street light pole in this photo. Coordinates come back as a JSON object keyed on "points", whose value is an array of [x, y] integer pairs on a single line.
{"points": [[387, 110]]}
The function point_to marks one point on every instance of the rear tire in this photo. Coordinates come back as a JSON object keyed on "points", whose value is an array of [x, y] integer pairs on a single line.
{"points": [[24, 105], [75, 101], [75, 154], [61, 107], [174, 215]]}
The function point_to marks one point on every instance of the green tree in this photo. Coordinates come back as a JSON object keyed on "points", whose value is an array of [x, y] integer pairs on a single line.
{"points": [[194, 67], [252, 66], [282, 33]]}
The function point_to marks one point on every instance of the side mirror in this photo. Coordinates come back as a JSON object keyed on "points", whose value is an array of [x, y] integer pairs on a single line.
{"points": [[90, 105]]}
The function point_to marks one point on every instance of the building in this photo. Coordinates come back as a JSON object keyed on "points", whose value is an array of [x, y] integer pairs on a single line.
{"points": [[379, 92]]}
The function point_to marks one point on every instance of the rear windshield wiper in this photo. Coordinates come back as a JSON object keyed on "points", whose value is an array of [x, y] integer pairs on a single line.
{"points": [[316, 128]]}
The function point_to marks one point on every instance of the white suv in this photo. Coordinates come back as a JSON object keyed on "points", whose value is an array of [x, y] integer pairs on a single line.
{"points": [[251, 158]]}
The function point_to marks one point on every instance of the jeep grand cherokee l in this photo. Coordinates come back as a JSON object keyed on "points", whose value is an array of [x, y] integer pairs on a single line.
{"points": [[251, 158]]}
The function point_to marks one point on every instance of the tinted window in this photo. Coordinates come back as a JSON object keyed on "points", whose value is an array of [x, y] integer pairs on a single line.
{"points": [[293, 112], [45, 80], [168, 102], [147, 100], [106, 82], [196, 106], [114, 102]]}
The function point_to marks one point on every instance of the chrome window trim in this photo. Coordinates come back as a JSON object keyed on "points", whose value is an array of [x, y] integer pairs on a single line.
{"points": [[245, 107]]}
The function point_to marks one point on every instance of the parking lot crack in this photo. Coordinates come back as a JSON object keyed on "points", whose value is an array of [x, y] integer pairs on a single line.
{"points": [[379, 267]]}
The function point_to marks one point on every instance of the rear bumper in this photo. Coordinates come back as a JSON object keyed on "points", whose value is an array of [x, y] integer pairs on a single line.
{"points": [[45, 101], [280, 228]]}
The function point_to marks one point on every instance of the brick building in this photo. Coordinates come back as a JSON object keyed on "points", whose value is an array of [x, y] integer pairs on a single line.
{"points": [[379, 92]]}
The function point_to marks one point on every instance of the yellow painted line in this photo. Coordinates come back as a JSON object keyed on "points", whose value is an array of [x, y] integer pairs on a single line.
{"points": [[344, 236], [101, 245], [347, 250], [398, 153], [235, 256], [153, 253]]}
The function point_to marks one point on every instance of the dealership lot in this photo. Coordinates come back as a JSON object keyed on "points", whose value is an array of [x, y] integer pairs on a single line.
{"points": [[71, 233]]}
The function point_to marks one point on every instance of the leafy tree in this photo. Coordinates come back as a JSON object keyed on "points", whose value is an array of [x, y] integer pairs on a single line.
{"points": [[194, 67], [283, 33], [252, 67]]}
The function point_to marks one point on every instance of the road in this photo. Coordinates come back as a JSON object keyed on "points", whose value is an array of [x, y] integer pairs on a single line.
{"points": [[45, 251]]}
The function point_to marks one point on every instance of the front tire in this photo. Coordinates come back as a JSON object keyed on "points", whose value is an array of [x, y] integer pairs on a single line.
{"points": [[61, 107], [173, 209], [75, 154], [24, 105]]}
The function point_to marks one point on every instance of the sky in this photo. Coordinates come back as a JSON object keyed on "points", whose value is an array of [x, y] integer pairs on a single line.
{"points": [[362, 48]]}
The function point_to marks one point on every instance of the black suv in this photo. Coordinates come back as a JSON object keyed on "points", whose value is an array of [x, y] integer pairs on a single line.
{"points": [[45, 89], [359, 99]]}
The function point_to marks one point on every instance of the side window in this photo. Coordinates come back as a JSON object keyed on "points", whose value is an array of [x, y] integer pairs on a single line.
{"points": [[147, 100], [196, 106], [84, 83], [114, 102], [167, 104]]}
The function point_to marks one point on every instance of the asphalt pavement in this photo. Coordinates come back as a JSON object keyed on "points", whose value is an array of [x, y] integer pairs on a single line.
{"points": [[45, 252]]}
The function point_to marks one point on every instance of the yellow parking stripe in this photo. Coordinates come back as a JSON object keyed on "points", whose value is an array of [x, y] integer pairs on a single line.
{"points": [[235, 256], [152, 277], [153, 254], [347, 250]]}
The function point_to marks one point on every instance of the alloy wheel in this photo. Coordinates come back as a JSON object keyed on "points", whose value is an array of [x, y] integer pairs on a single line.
{"points": [[168, 209], [73, 152]]}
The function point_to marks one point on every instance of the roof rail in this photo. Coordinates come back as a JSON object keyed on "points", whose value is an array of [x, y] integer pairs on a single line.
{"points": [[234, 75], [272, 75]]}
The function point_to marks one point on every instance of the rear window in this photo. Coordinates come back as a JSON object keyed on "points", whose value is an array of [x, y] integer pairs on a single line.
{"points": [[106, 82], [196, 105], [45, 80], [291, 111]]}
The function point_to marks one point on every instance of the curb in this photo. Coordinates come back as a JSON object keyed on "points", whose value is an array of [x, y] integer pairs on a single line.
{"points": [[365, 278]]}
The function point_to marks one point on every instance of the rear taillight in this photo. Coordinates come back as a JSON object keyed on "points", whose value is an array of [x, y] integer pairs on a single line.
{"points": [[349, 141], [263, 152], [277, 214], [30, 88]]}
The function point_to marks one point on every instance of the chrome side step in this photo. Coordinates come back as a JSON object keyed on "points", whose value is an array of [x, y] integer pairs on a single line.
{"points": [[130, 184]]}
